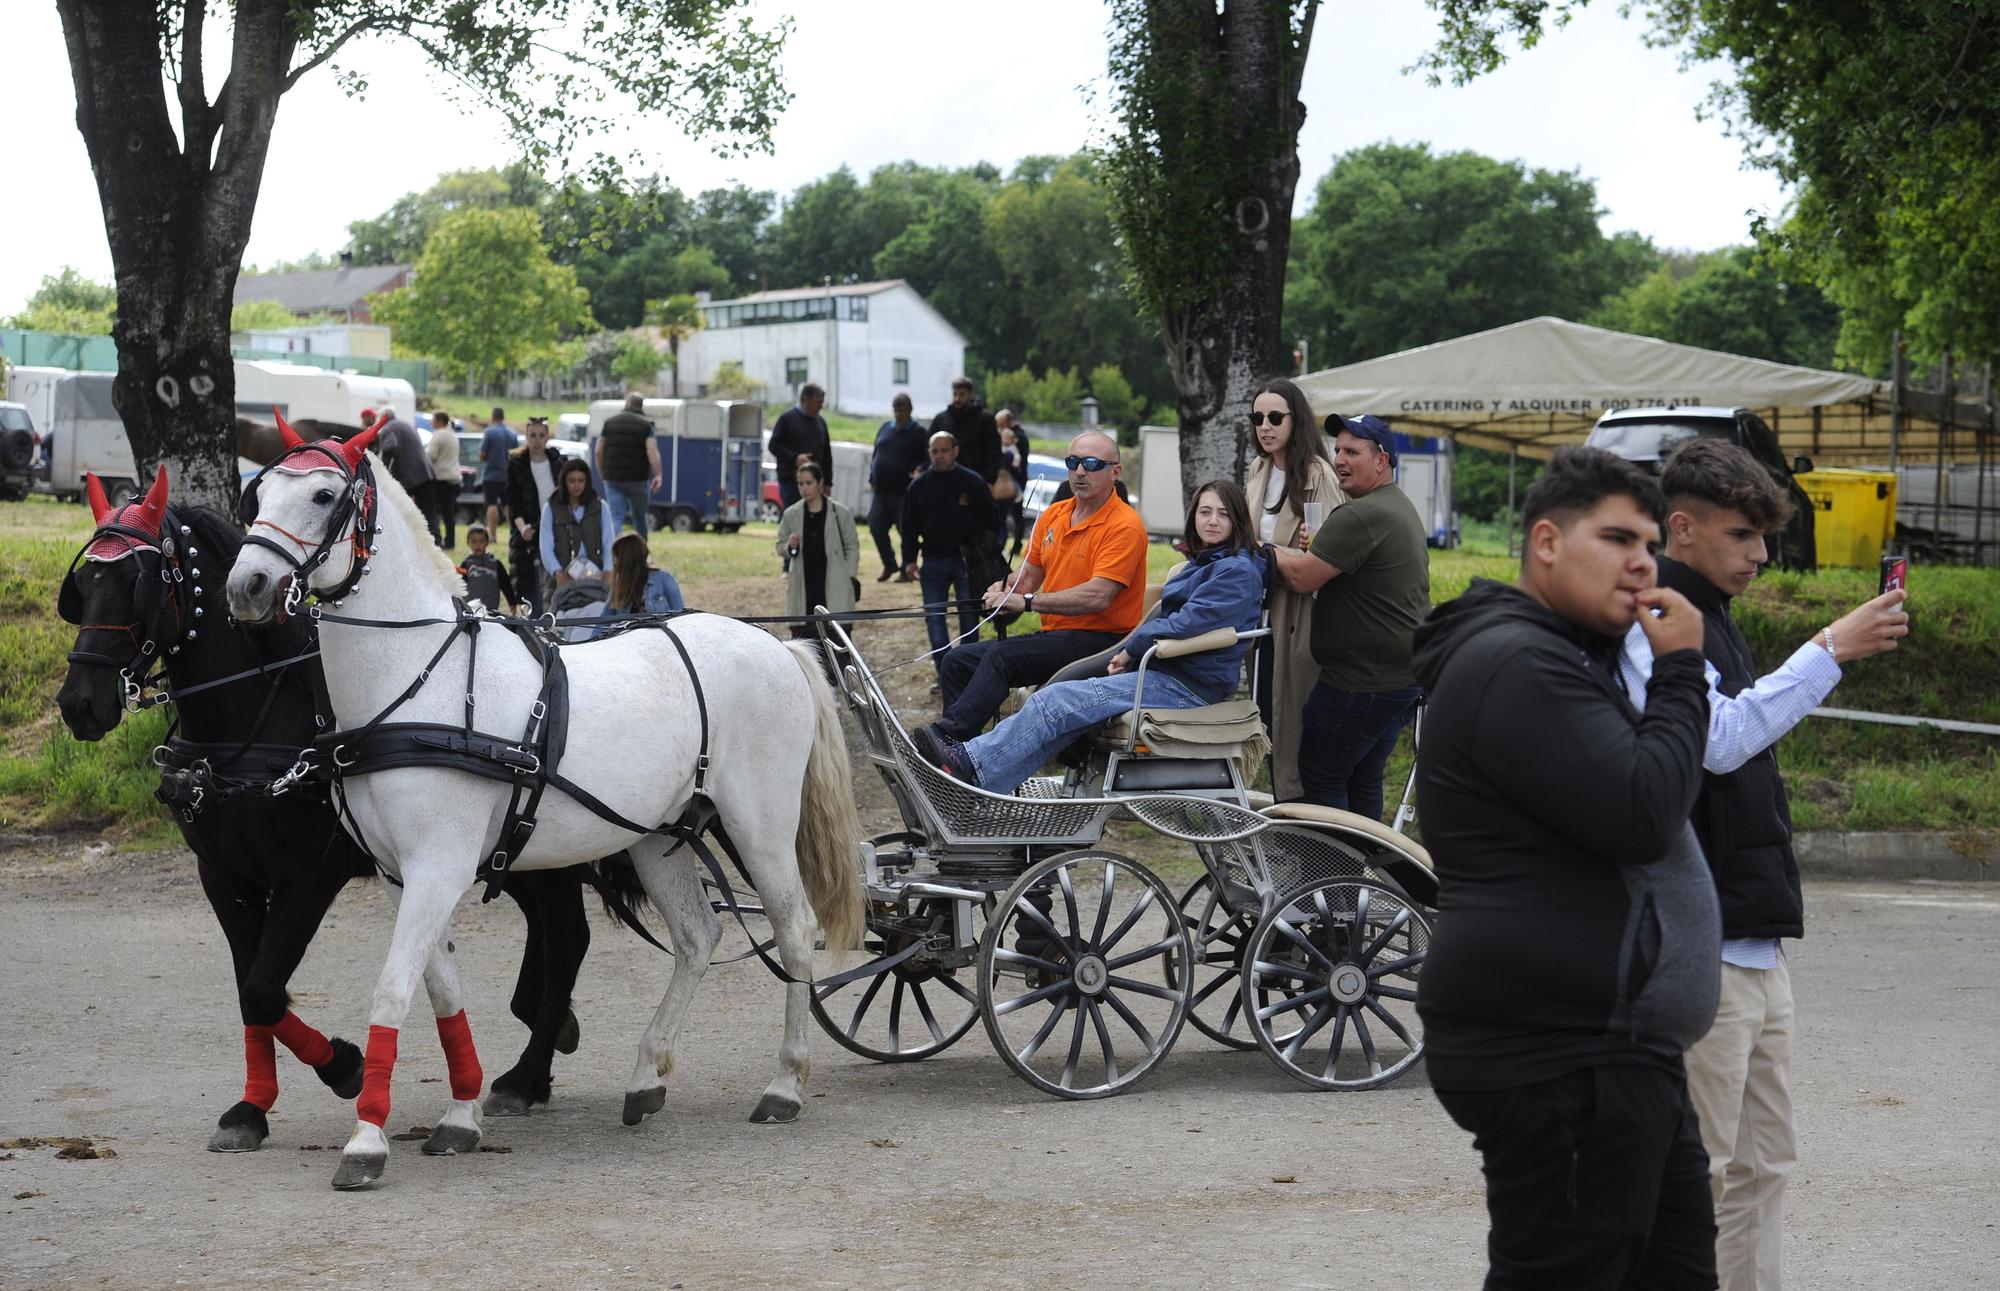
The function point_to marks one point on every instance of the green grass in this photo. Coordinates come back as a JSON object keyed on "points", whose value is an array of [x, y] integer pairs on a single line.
{"points": [[1842, 775]]}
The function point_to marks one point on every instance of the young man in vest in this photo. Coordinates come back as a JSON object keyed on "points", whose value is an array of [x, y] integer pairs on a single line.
{"points": [[1721, 504]]}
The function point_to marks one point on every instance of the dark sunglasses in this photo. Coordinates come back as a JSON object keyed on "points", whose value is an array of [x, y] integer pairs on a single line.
{"points": [[1275, 418], [1091, 464]]}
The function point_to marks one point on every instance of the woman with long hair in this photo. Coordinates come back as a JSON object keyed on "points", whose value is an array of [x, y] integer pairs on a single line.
{"points": [[638, 588], [817, 535], [1292, 468], [1220, 586], [576, 527]]}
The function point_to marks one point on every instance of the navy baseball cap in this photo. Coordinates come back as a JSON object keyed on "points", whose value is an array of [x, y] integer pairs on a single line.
{"points": [[1368, 427]]}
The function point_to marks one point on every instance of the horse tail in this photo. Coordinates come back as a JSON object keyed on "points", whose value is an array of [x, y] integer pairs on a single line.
{"points": [[618, 886], [829, 837]]}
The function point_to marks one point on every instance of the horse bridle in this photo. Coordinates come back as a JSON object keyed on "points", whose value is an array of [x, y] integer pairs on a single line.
{"points": [[354, 520], [140, 669]]}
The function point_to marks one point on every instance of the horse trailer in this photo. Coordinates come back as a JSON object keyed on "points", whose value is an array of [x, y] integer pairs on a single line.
{"points": [[709, 454]]}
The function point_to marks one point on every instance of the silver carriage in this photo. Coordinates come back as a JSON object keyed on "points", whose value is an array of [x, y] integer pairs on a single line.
{"points": [[1303, 936]]}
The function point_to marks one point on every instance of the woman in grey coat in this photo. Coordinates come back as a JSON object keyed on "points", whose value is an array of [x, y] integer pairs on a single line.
{"points": [[818, 535]]}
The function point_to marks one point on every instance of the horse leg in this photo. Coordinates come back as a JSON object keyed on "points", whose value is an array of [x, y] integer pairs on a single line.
{"points": [[458, 1129], [244, 1127], [296, 910], [423, 915], [675, 887], [553, 900], [792, 929], [528, 983]]}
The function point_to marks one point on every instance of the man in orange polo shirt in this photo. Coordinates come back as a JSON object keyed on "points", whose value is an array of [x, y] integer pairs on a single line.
{"points": [[1086, 577]]}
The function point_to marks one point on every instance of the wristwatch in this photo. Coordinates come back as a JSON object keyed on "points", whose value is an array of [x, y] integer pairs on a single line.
{"points": [[1027, 603]]}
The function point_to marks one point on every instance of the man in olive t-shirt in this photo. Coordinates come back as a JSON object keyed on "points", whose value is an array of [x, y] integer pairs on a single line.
{"points": [[628, 461], [1370, 564]]}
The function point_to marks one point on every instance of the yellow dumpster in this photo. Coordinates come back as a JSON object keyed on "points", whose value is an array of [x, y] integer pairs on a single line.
{"points": [[1854, 514]]}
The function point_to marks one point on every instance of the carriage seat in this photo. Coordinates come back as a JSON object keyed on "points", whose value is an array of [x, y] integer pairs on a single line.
{"points": [[1355, 823]]}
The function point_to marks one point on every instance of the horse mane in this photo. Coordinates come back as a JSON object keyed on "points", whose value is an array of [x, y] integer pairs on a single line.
{"points": [[387, 490], [217, 537]]}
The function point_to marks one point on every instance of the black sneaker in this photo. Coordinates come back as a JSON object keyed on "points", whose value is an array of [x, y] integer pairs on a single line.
{"points": [[944, 753]]}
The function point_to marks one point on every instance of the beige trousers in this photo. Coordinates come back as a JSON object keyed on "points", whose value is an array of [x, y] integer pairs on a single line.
{"points": [[1739, 1076]]}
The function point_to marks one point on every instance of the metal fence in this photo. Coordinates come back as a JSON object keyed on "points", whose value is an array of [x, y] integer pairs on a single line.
{"points": [[100, 354]]}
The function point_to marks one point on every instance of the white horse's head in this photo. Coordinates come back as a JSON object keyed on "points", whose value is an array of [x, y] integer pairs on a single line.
{"points": [[307, 526]]}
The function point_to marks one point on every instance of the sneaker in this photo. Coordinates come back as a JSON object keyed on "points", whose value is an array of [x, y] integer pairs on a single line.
{"points": [[945, 753], [885, 575]]}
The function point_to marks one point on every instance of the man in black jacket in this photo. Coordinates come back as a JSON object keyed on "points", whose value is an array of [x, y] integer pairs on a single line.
{"points": [[1721, 504], [800, 435], [1574, 960], [948, 507], [899, 456], [977, 434]]}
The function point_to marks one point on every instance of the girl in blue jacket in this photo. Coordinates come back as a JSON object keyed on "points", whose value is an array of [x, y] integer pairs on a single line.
{"points": [[1220, 586]]}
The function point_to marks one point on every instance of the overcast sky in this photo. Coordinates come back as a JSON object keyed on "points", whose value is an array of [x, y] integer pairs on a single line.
{"points": [[943, 82]]}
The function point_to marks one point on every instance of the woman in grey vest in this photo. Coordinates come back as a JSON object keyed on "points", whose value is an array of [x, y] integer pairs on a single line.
{"points": [[576, 527]]}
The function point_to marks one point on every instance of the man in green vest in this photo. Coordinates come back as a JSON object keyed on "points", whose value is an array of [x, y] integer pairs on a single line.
{"points": [[628, 461]]}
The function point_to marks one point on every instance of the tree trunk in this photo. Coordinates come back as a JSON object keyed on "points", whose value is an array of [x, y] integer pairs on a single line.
{"points": [[177, 216], [1221, 353]]}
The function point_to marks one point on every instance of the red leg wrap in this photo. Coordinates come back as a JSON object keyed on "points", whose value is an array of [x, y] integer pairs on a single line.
{"points": [[306, 1044], [373, 1105], [455, 1033], [260, 1067]]}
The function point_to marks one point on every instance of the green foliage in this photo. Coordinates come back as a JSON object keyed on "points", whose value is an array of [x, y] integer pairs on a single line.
{"points": [[1404, 247], [730, 381], [1729, 302], [1882, 118], [1055, 396], [261, 316], [485, 298], [1117, 405], [398, 235], [636, 362], [1479, 482], [69, 303]]}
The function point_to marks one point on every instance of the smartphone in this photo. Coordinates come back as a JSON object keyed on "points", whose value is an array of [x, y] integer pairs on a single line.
{"points": [[1895, 574]]}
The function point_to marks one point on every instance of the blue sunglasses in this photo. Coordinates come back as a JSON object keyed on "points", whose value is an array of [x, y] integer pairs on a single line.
{"points": [[1091, 464]]}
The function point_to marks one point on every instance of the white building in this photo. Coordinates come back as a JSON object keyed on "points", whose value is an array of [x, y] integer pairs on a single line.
{"points": [[863, 343]]}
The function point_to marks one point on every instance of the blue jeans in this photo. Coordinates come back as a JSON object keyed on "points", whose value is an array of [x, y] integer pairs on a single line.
{"points": [[1345, 743], [974, 679], [1056, 715], [938, 576], [628, 498]]}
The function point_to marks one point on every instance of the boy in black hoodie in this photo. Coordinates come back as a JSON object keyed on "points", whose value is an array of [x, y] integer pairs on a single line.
{"points": [[1577, 934]]}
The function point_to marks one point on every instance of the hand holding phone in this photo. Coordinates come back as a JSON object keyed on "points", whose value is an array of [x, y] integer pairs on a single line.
{"points": [[1895, 574], [1872, 627]]}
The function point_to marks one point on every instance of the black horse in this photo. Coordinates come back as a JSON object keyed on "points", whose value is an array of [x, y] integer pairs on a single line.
{"points": [[144, 594]]}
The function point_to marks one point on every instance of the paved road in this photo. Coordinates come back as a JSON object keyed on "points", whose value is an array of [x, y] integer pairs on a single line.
{"points": [[117, 1023]]}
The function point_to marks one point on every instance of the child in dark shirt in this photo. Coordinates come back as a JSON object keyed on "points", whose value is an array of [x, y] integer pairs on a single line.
{"points": [[486, 579]]}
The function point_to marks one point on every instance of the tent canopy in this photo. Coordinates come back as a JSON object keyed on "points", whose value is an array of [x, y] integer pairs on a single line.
{"points": [[1537, 384]]}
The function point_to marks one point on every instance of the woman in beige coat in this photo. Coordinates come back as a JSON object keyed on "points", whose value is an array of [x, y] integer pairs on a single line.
{"points": [[1292, 469], [818, 535]]}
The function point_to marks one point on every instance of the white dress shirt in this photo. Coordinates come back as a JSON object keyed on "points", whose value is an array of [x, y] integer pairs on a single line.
{"points": [[1740, 727]]}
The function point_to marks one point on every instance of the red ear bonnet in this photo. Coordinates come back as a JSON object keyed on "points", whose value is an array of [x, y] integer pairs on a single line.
{"points": [[154, 509], [354, 447], [93, 490], [291, 438]]}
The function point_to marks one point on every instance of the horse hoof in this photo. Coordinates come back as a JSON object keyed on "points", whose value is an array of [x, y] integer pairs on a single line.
{"points": [[359, 1169], [775, 1109], [571, 1034], [505, 1102], [243, 1128], [342, 1072], [644, 1103], [450, 1140]]}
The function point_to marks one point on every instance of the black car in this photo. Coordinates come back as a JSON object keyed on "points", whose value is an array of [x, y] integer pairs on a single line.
{"points": [[1647, 435]]}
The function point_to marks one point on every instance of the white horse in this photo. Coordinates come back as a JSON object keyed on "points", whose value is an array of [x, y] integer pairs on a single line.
{"points": [[777, 772]]}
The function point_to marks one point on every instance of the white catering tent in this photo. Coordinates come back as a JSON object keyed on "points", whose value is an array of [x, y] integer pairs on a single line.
{"points": [[1540, 383]]}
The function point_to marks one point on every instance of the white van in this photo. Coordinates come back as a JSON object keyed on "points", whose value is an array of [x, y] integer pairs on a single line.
{"points": [[302, 392]]}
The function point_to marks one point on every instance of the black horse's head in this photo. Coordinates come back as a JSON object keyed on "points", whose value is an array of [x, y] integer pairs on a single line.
{"points": [[131, 594]]}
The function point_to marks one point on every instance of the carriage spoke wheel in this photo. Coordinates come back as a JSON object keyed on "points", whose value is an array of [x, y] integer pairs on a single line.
{"points": [[914, 1009], [1330, 983], [1083, 974], [1215, 1004]]}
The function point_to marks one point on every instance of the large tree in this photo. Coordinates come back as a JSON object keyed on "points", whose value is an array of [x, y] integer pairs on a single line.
{"points": [[1885, 118], [179, 196], [1404, 247], [1202, 165]]}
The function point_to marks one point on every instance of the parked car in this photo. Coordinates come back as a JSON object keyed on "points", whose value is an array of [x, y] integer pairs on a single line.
{"points": [[1647, 435], [472, 498], [18, 445]]}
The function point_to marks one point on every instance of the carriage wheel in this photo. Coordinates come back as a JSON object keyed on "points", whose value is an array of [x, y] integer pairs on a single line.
{"points": [[1219, 938], [916, 1008], [1083, 974], [1330, 987]]}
